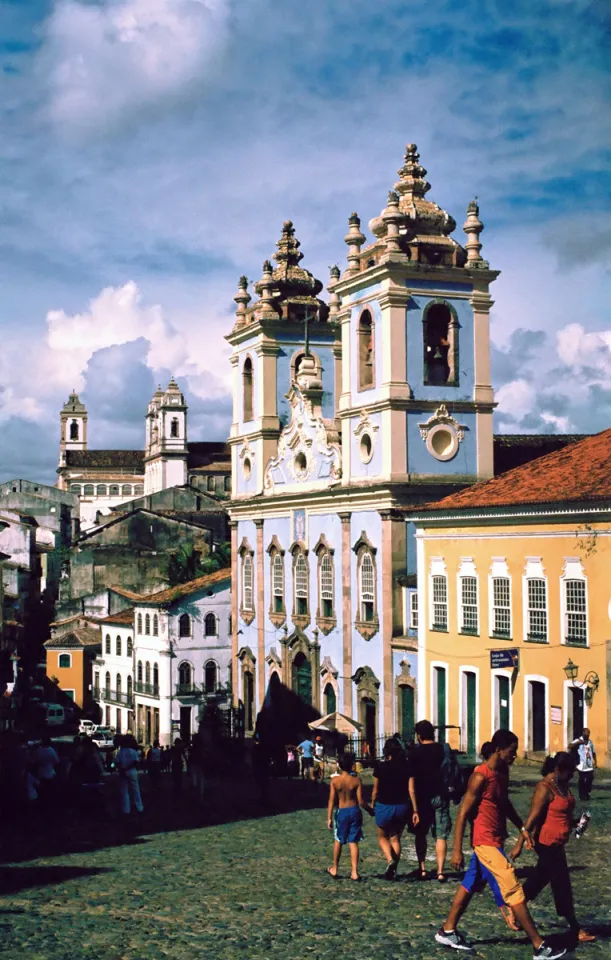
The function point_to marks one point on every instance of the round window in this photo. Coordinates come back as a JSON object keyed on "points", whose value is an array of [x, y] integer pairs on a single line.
{"points": [[442, 442], [366, 448], [301, 464], [247, 468]]}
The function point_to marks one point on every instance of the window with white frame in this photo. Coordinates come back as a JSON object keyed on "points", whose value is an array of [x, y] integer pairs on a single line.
{"points": [[278, 582], [536, 609], [413, 610], [501, 607], [326, 585], [301, 585], [247, 583], [439, 595], [367, 588], [575, 612], [468, 605]]}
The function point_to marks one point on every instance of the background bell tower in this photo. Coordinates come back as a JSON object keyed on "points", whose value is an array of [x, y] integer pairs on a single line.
{"points": [[73, 426]]}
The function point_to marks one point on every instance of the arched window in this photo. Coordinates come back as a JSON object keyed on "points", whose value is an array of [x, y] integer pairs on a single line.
{"points": [[210, 629], [185, 674], [174, 425], [326, 586], [75, 488], [139, 623], [440, 334], [247, 389], [114, 490], [210, 676], [65, 661], [365, 351], [155, 625], [126, 490], [184, 625], [107, 686], [147, 624], [147, 673], [155, 676], [130, 689], [118, 646], [100, 490], [247, 594], [138, 490], [139, 672], [330, 698], [88, 490], [107, 644], [278, 582], [130, 647], [74, 430], [367, 588], [118, 686], [300, 576], [211, 484]]}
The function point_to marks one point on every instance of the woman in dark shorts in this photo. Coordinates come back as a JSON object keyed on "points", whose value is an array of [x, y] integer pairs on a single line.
{"points": [[394, 802]]}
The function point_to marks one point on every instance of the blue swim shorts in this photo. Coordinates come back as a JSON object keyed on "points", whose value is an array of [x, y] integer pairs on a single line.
{"points": [[391, 817], [349, 824], [476, 878]]}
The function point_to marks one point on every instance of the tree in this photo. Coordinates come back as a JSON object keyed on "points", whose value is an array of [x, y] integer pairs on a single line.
{"points": [[187, 563]]}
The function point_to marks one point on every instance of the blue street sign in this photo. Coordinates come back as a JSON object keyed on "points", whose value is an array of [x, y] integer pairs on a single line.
{"points": [[504, 658]]}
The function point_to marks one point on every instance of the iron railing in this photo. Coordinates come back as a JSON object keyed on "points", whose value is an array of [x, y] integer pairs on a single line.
{"points": [[148, 689], [113, 696]]}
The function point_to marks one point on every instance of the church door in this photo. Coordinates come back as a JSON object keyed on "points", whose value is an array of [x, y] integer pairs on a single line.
{"points": [[302, 677], [407, 712]]}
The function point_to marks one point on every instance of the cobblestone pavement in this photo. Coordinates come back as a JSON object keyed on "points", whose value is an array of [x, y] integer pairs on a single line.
{"points": [[242, 880]]}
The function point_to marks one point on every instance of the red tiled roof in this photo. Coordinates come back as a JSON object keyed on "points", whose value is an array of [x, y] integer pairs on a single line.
{"points": [[123, 617], [79, 637], [129, 594], [184, 589], [580, 471]]}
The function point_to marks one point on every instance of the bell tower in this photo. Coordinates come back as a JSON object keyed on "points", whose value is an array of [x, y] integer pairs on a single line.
{"points": [[73, 426], [165, 458]]}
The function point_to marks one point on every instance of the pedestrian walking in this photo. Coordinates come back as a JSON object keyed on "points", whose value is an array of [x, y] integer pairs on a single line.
{"points": [[153, 762], [394, 802], [126, 763], [306, 752], [319, 760], [344, 815], [45, 763], [292, 763], [552, 814], [586, 763], [487, 803], [427, 759]]}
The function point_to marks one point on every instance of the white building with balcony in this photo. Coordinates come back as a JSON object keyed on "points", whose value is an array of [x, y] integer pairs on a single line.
{"points": [[182, 656], [113, 671]]}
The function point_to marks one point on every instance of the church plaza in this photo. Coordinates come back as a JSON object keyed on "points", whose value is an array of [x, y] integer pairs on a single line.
{"points": [[246, 880]]}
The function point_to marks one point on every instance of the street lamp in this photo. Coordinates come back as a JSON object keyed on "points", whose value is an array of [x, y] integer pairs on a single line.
{"points": [[589, 684]]}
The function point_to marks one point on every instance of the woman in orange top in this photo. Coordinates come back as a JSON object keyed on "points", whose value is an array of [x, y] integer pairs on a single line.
{"points": [[552, 812]]}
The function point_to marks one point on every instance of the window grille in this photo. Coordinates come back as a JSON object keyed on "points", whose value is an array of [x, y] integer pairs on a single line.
{"points": [[130, 647], [440, 603], [147, 625], [367, 588], [537, 610], [301, 586], [247, 583], [210, 625], [119, 646], [326, 586], [468, 597], [278, 583], [155, 625], [107, 644], [501, 607], [576, 628]]}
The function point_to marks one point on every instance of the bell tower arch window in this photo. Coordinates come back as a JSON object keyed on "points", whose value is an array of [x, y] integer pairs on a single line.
{"points": [[174, 427], [365, 340], [247, 390], [74, 430], [440, 342]]}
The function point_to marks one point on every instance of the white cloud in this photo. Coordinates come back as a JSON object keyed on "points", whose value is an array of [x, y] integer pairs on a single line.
{"points": [[576, 348], [516, 398], [104, 62]]}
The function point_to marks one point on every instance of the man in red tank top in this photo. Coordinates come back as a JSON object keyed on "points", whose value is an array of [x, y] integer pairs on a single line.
{"points": [[487, 804]]}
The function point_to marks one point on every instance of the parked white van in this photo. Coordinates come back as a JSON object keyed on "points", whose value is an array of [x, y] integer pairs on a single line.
{"points": [[54, 714]]}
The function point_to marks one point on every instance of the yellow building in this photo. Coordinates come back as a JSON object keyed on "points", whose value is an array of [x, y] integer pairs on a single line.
{"points": [[514, 597], [69, 660]]}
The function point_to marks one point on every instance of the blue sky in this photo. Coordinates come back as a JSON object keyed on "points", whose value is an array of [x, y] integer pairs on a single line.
{"points": [[152, 148]]}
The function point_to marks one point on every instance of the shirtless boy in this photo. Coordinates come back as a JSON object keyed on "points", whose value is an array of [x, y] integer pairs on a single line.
{"points": [[346, 794]]}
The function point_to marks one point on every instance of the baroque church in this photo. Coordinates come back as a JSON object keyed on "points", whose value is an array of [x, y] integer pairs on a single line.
{"points": [[346, 416], [104, 479]]}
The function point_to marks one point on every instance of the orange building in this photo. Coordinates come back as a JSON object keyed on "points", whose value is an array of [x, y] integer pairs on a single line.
{"points": [[69, 662]]}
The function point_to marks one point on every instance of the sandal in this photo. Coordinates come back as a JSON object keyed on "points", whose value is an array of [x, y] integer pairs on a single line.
{"points": [[584, 936], [441, 878], [510, 918], [423, 875], [333, 876], [391, 870]]}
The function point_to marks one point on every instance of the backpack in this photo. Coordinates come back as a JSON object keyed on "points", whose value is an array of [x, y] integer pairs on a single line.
{"points": [[452, 779]]}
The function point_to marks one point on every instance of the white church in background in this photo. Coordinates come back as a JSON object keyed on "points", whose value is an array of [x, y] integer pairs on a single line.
{"points": [[105, 478]]}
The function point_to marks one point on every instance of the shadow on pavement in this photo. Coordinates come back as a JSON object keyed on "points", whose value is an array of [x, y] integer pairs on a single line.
{"points": [[15, 879]]}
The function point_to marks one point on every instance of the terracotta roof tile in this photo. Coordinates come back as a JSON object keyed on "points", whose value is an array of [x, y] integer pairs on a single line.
{"points": [[579, 471], [184, 589], [127, 459], [79, 637], [123, 617]]}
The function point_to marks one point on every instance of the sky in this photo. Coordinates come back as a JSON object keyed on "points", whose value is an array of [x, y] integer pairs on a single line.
{"points": [[151, 150]]}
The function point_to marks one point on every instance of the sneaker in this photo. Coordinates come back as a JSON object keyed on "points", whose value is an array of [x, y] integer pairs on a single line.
{"points": [[548, 952], [455, 940]]}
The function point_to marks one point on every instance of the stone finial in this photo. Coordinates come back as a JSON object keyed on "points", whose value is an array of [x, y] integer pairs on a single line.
{"points": [[355, 240], [392, 216], [473, 226], [334, 298], [242, 298], [265, 307], [412, 174], [288, 253]]}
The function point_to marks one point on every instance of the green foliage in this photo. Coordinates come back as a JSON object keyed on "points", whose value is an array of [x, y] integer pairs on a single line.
{"points": [[187, 563]]}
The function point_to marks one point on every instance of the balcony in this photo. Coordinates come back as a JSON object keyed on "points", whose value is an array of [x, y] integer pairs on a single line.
{"points": [[147, 690], [113, 696], [193, 690]]}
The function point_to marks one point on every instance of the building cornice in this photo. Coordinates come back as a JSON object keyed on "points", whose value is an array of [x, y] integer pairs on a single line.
{"points": [[502, 516]]}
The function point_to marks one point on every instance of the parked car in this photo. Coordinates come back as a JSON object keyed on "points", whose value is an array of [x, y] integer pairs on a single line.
{"points": [[54, 714], [88, 727], [104, 738]]}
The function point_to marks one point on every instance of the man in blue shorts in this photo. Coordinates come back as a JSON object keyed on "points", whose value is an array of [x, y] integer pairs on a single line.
{"points": [[306, 751], [344, 812]]}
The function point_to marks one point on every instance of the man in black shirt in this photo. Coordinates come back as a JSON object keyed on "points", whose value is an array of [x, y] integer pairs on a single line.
{"points": [[426, 759]]}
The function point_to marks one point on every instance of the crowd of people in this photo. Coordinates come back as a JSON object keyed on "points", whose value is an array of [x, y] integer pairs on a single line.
{"points": [[414, 790]]}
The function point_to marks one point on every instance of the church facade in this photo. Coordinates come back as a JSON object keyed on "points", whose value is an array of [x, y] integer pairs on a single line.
{"points": [[104, 479], [346, 416]]}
